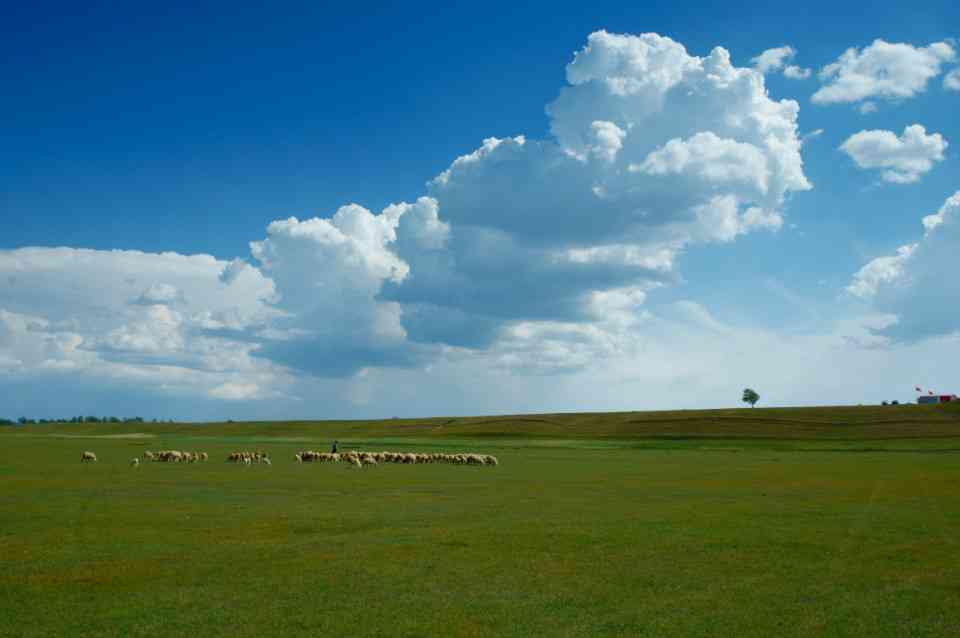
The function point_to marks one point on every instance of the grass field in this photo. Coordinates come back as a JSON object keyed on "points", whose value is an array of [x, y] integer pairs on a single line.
{"points": [[812, 522]]}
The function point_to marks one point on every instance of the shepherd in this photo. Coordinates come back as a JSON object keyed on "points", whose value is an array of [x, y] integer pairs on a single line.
{"points": [[333, 449]]}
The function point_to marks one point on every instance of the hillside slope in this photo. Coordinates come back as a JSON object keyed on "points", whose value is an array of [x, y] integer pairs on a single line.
{"points": [[832, 423]]}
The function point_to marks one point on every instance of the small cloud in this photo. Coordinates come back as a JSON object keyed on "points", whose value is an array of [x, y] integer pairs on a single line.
{"points": [[773, 59], [883, 70], [906, 158], [797, 73], [776, 59], [812, 135]]}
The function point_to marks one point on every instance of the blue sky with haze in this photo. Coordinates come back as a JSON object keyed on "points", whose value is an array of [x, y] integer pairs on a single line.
{"points": [[658, 238]]}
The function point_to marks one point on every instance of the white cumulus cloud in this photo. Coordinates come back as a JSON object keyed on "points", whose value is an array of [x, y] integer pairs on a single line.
{"points": [[905, 158], [329, 274], [776, 59], [882, 270], [773, 59], [951, 81], [882, 70], [653, 150], [119, 316], [706, 156], [532, 254], [795, 72], [919, 285], [609, 139]]}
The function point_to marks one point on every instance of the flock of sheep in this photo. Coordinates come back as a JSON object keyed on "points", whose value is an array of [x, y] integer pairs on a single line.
{"points": [[248, 458], [351, 458], [359, 458], [163, 456], [175, 456]]}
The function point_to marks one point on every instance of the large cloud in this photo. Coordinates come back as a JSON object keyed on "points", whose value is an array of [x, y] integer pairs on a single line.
{"points": [[905, 158], [918, 284], [92, 286], [129, 315], [653, 150], [882, 70], [537, 255], [329, 273]]}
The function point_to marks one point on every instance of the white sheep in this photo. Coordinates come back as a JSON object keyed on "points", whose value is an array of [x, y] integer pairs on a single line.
{"points": [[135, 462], [88, 456]]}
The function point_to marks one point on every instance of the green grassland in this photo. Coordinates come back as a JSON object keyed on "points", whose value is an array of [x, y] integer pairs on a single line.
{"points": [[765, 522]]}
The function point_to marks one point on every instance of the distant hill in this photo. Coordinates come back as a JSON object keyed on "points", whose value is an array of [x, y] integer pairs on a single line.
{"points": [[832, 423]]}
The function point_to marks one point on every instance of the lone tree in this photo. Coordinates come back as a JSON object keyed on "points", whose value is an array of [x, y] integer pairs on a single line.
{"points": [[750, 396]]}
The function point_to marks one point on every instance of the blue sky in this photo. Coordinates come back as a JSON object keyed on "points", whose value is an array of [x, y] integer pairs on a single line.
{"points": [[189, 130]]}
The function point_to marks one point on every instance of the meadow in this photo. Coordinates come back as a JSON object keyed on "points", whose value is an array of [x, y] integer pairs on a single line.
{"points": [[779, 522]]}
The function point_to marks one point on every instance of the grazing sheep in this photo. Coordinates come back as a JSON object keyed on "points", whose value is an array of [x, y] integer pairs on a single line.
{"points": [[359, 458], [88, 456], [175, 456], [267, 461], [135, 462], [244, 457]]}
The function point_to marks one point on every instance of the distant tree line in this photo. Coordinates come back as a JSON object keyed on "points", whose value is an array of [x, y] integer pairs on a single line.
{"points": [[81, 419]]}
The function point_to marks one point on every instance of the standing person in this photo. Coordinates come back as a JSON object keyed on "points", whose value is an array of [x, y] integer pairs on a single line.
{"points": [[334, 449]]}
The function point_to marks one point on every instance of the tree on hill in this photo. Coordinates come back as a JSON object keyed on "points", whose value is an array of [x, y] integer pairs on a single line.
{"points": [[750, 396]]}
